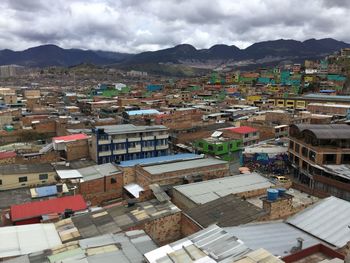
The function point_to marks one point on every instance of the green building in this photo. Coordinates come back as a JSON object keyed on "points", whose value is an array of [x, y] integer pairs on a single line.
{"points": [[224, 148]]}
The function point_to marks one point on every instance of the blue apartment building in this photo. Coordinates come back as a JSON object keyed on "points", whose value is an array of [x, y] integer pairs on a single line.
{"points": [[116, 143]]}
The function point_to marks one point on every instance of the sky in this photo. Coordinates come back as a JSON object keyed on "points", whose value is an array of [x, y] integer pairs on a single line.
{"points": [[134, 26]]}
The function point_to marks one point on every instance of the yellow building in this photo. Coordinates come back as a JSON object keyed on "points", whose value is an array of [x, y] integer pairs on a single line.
{"points": [[14, 176], [309, 79], [253, 98]]}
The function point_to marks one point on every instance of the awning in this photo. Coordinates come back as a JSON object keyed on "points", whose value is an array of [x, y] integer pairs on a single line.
{"points": [[134, 189]]}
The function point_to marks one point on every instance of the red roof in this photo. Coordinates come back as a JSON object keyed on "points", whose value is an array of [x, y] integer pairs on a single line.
{"points": [[4, 155], [39, 208], [69, 138], [242, 129]]}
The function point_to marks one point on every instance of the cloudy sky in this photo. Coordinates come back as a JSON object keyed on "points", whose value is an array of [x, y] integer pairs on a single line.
{"points": [[135, 25]]}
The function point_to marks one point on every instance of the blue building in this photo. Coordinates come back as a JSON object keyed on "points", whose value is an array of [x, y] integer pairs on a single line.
{"points": [[116, 143], [154, 87]]}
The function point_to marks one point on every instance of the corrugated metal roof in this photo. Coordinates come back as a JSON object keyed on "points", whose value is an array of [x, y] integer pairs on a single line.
{"points": [[276, 237], [69, 138], [134, 189], [142, 112], [39, 208], [98, 171], [225, 211], [216, 244], [207, 191], [19, 239], [328, 219], [130, 128], [182, 165], [161, 159]]}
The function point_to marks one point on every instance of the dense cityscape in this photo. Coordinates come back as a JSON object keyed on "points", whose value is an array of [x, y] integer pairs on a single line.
{"points": [[221, 154]]}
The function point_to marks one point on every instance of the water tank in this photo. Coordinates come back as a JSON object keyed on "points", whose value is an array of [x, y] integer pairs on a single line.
{"points": [[272, 194], [281, 191]]}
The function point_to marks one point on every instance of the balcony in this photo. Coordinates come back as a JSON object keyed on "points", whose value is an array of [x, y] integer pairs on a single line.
{"points": [[147, 138], [102, 142], [120, 151], [134, 149], [119, 140], [134, 139], [162, 147], [162, 136], [148, 148], [104, 153]]}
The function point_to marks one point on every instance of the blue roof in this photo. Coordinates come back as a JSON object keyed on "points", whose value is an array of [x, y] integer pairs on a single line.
{"points": [[327, 90], [142, 112], [161, 159], [46, 190], [326, 96]]}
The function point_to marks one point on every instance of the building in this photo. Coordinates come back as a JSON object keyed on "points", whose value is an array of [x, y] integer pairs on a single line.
{"points": [[117, 143], [19, 239], [160, 220], [248, 135], [219, 146], [25, 175], [320, 158], [280, 238], [225, 211], [326, 220], [212, 244], [127, 247], [330, 108], [247, 185], [181, 172], [129, 167], [33, 212], [100, 183], [71, 147]]}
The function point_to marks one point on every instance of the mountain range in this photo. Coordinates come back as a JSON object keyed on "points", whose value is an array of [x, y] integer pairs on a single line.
{"points": [[184, 54]]}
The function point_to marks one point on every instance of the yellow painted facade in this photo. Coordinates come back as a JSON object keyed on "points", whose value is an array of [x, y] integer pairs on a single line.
{"points": [[13, 181], [253, 98]]}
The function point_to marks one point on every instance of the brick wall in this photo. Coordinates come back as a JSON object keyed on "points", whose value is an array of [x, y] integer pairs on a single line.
{"points": [[188, 226], [77, 150], [144, 178], [102, 189], [49, 157], [164, 230]]}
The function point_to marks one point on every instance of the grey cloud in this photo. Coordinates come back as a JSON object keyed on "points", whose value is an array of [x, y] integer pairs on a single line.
{"points": [[134, 26]]}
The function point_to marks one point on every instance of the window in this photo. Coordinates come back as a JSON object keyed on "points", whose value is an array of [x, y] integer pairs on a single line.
{"points": [[304, 151], [291, 145], [297, 148], [113, 181], [220, 148], [210, 147], [0, 182], [346, 158], [22, 179], [312, 155], [43, 176], [246, 135]]}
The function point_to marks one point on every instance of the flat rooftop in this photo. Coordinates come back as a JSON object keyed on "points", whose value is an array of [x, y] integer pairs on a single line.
{"points": [[299, 198], [203, 192], [98, 171], [130, 128], [182, 165], [161, 159], [12, 169]]}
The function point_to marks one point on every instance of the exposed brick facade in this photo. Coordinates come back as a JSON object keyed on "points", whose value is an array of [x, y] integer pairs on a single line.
{"points": [[144, 178]]}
